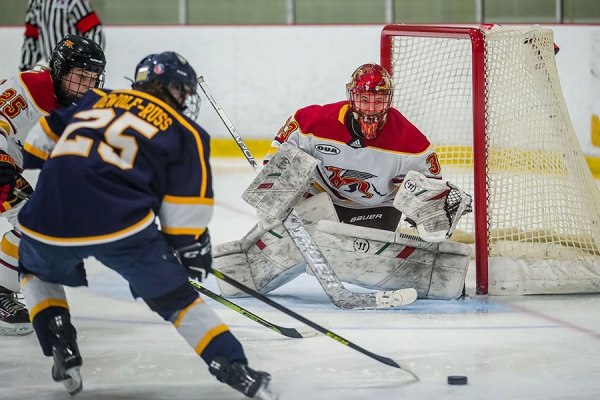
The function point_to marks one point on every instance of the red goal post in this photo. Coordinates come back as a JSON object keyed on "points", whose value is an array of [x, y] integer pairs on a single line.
{"points": [[491, 103]]}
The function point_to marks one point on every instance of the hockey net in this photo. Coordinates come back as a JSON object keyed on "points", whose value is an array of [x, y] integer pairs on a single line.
{"points": [[491, 103]]}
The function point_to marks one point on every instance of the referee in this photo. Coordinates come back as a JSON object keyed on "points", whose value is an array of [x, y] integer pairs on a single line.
{"points": [[48, 21]]}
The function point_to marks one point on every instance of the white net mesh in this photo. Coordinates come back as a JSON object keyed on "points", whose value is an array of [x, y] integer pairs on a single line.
{"points": [[543, 206]]}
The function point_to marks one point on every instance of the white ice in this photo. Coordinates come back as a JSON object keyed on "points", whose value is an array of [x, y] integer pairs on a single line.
{"points": [[537, 347]]}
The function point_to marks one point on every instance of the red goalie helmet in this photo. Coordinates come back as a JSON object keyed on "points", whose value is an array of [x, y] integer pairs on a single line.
{"points": [[370, 94]]}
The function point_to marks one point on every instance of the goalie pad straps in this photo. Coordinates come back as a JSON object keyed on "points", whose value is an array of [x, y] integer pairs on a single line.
{"points": [[435, 207]]}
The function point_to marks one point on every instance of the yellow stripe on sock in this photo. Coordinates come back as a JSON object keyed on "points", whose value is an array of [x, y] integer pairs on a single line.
{"points": [[210, 335], [46, 304]]}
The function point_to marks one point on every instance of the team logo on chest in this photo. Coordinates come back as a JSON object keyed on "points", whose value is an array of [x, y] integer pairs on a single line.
{"points": [[355, 180]]}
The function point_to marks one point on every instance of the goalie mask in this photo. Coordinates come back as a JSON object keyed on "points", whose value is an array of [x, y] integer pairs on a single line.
{"points": [[370, 94], [77, 65], [175, 78]]}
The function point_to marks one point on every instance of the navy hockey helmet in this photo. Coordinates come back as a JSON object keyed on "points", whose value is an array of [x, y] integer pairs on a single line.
{"points": [[76, 65], [176, 78]]}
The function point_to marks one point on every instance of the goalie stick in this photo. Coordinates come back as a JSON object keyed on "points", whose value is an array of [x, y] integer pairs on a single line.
{"points": [[289, 332], [319, 328], [312, 254]]}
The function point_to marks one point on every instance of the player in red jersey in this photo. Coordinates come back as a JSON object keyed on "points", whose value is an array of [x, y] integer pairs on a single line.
{"points": [[77, 64], [365, 146], [365, 149]]}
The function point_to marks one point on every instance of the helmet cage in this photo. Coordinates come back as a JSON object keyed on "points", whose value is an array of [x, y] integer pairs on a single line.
{"points": [[77, 65], [175, 77], [370, 94]]}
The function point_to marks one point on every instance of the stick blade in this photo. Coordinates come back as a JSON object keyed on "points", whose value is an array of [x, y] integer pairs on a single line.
{"points": [[308, 332], [395, 298]]}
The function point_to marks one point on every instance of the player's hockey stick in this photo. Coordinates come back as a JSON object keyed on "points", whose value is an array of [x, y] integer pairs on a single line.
{"points": [[312, 254], [289, 332], [319, 328]]}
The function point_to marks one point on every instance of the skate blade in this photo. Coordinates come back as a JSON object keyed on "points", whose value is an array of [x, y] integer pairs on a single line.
{"points": [[266, 393], [74, 384], [15, 329]]}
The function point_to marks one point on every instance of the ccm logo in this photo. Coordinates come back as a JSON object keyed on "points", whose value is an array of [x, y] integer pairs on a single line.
{"points": [[326, 149]]}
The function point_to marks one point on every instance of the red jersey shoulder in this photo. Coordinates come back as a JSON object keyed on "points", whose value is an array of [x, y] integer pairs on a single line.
{"points": [[400, 135], [316, 113], [40, 87], [324, 121]]}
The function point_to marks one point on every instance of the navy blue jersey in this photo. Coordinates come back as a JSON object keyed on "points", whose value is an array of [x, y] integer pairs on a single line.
{"points": [[111, 164]]}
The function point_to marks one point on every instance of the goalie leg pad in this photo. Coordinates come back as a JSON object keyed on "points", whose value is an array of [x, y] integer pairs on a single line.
{"points": [[382, 260], [266, 258]]}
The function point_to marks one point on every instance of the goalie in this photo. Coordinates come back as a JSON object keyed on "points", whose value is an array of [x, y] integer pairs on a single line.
{"points": [[373, 165]]}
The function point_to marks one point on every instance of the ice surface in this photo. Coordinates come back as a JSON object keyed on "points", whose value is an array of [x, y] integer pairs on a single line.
{"points": [[537, 347]]}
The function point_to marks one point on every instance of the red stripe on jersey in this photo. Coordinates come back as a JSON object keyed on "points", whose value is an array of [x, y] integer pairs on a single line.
{"points": [[32, 31], [328, 122], [407, 251], [40, 87], [7, 265], [265, 186], [260, 244], [88, 22]]}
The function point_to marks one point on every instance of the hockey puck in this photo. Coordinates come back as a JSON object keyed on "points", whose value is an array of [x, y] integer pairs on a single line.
{"points": [[457, 380]]}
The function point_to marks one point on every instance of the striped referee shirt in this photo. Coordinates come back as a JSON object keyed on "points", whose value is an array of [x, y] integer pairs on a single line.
{"points": [[48, 21]]}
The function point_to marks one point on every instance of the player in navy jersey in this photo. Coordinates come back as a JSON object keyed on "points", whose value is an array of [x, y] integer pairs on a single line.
{"points": [[111, 165]]}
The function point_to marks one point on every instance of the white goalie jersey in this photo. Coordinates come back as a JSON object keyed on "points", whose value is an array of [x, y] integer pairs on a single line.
{"points": [[358, 172]]}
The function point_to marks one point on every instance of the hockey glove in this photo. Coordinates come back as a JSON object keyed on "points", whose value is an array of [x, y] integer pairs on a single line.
{"points": [[8, 176], [197, 257]]}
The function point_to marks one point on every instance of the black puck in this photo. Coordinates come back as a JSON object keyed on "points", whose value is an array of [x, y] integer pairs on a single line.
{"points": [[457, 380]]}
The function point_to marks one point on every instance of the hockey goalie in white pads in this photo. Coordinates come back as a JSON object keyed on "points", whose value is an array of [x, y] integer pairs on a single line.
{"points": [[266, 258]]}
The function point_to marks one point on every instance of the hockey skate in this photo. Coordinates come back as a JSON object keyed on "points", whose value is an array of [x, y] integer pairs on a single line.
{"points": [[14, 318], [253, 384], [67, 360]]}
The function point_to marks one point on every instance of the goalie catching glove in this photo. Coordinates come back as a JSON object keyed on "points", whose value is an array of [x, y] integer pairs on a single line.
{"points": [[433, 206], [197, 257]]}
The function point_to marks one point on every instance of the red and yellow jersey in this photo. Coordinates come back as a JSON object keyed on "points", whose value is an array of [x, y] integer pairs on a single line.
{"points": [[358, 172], [24, 99]]}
